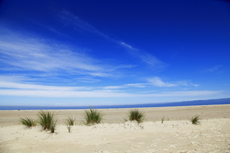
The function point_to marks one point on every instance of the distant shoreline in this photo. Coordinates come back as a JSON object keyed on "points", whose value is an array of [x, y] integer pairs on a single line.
{"points": [[169, 104]]}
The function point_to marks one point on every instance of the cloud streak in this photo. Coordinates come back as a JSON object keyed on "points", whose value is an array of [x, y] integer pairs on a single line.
{"points": [[136, 85], [31, 87], [215, 68], [70, 19], [16, 86], [33, 54], [158, 82], [99, 93]]}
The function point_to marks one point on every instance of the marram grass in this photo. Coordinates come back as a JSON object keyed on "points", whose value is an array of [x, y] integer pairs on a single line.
{"points": [[70, 121], [69, 128], [162, 120], [28, 122], [47, 121], [195, 120], [92, 116], [136, 115]]}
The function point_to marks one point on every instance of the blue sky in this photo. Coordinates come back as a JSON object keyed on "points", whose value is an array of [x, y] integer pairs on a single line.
{"points": [[111, 52]]}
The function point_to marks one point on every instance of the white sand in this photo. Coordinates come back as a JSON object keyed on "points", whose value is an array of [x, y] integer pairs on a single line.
{"points": [[175, 135]]}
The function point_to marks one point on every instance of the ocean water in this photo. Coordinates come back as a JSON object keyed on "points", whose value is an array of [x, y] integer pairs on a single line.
{"points": [[172, 104]]}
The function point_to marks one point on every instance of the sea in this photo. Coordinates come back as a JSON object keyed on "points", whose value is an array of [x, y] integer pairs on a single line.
{"points": [[169, 104]]}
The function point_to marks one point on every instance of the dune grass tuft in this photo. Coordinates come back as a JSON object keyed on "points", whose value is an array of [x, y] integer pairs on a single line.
{"points": [[47, 121], [136, 115], [92, 116], [195, 120], [69, 128], [162, 120], [28, 122], [70, 121]]}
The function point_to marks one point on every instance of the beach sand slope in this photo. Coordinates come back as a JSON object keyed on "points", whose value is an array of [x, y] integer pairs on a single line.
{"points": [[212, 135]]}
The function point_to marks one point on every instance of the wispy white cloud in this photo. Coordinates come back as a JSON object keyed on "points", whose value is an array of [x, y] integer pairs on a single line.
{"points": [[215, 68], [126, 45], [19, 83], [63, 93], [187, 93], [17, 86], [143, 55], [157, 81], [154, 81], [87, 79], [100, 74], [71, 19], [150, 59], [18, 52], [31, 54], [38, 87], [99, 93], [136, 85]]}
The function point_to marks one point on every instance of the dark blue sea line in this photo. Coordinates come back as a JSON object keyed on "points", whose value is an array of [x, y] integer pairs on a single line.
{"points": [[184, 103]]}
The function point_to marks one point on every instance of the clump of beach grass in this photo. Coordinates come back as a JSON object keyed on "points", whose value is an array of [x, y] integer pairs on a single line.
{"points": [[92, 116], [47, 121], [195, 120], [162, 120], [70, 122], [28, 122], [69, 128], [136, 115]]}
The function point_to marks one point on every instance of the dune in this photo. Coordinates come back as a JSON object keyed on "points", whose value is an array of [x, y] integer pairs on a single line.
{"points": [[175, 134]]}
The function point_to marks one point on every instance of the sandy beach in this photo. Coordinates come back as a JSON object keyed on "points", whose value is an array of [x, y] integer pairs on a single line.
{"points": [[175, 134]]}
